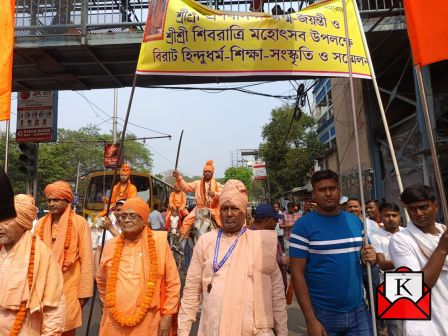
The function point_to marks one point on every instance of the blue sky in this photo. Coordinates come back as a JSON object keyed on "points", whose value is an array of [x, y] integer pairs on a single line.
{"points": [[214, 123]]}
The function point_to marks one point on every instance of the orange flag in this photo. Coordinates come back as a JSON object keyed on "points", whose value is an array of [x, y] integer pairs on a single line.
{"points": [[427, 30], [6, 49]]}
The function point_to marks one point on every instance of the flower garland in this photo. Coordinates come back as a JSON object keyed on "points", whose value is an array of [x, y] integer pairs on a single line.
{"points": [[21, 314], [68, 234], [111, 300]]}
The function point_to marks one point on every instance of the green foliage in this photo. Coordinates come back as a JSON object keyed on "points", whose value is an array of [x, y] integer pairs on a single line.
{"points": [[289, 157], [59, 161], [239, 173], [192, 178], [18, 179], [255, 189]]}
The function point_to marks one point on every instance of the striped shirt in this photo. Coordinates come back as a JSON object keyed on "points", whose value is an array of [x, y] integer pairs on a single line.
{"points": [[331, 245]]}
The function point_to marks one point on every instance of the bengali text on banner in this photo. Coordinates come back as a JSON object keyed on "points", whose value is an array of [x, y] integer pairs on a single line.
{"points": [[189, 39]]}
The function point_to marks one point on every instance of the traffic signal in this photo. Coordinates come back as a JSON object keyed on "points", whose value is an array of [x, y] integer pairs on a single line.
{"points": [[28, 159]]}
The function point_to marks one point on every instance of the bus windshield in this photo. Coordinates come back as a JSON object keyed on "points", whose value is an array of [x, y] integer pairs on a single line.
{"points": [[100, 186]]}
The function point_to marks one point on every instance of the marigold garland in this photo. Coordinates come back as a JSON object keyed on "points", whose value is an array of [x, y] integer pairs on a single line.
{"points": [[68, 235], [21, 314], [126, 320]]}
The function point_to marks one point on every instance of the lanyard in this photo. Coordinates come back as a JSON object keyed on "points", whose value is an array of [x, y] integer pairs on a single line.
{"points": [[216, 266]]}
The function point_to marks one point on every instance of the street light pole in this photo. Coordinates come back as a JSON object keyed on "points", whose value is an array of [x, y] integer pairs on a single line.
{"points": [[114, 118]]}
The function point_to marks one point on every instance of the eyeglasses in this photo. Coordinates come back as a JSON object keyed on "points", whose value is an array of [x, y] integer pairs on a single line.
{"points": [[131, 216]]}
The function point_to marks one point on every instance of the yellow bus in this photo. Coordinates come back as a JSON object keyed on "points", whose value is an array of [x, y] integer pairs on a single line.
{"points": [[150, 188]]}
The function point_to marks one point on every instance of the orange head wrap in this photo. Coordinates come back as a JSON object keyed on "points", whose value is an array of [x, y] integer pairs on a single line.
{"points": [[209, 166], [26, 211], [125, 169], [139, 205], [59, 189], [235, 192]]}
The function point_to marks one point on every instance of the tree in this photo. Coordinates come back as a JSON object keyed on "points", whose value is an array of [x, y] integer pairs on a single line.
{"points": [[168, 176], [289, 156], [243, 174], [192, 178], [59, 161]]}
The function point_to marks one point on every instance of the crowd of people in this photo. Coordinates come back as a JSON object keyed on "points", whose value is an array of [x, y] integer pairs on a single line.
{"points": [[240, 275]]}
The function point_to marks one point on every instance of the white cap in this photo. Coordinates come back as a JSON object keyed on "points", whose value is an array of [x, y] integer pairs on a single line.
{"points": [[343, 199]]}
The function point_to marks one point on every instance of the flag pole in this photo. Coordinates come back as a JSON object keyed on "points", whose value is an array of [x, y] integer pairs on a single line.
{"points": [[358, 157], [8, 123], [432, 145], [380, 103]]}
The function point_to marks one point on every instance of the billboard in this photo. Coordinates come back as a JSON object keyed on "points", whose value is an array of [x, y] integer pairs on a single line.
{"points": [[259, 170], [37, 116], [185, 38], [111, 152]]}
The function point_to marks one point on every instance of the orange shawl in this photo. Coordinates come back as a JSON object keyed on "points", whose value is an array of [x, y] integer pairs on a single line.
{"points": [[254, 257], [46, 290], [214, 187], [118, 194], [58, 246], [175, 202]]}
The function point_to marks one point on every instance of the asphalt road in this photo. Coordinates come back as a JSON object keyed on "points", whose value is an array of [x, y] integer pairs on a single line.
{"points": [[296, 322]]}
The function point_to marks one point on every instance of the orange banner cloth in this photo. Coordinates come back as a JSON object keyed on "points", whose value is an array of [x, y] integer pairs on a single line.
{"points": [[427, 30], [7, 45]]}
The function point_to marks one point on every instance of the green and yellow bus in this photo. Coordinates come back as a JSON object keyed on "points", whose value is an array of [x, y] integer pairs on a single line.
{"points": [[150, 188]]}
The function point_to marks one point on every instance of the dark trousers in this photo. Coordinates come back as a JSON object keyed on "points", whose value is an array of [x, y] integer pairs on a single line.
{"points": [[354, 323], [376, 278], [281, 240]]}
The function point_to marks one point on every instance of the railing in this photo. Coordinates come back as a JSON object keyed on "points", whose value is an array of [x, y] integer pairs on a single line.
{"points": [[75, 17]]}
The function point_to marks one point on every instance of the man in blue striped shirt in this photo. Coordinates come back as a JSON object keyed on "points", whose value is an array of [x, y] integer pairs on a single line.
{"points": [[326, 251]]}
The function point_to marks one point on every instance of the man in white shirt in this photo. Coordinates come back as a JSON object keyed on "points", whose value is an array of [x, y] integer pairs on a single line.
{"points": [[373, 217], [354, 206], [391, 218], [423, 246], [280, 231], [155, 219]]}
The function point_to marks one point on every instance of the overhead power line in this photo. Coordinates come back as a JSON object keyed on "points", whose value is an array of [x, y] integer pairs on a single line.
{"points": [[110, 140], [219, 90]]}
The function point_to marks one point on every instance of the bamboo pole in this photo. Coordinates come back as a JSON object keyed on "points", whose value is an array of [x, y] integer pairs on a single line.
{"points": [[358, 157]]}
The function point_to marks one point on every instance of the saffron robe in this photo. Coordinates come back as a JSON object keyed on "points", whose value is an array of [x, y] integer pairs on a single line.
{"points": [[130, 284], [247, 295], [77, 268], [178, 200], [45, 302], [119, 192], [200, 190]]}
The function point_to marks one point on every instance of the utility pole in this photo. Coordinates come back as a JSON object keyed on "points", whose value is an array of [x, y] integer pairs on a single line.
{"points": [[114, 118], [77, 178], [76, 186]]}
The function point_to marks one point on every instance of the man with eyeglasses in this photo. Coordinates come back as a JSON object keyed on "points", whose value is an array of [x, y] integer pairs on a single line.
{"points": [[68, 235], [137, 279]]}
